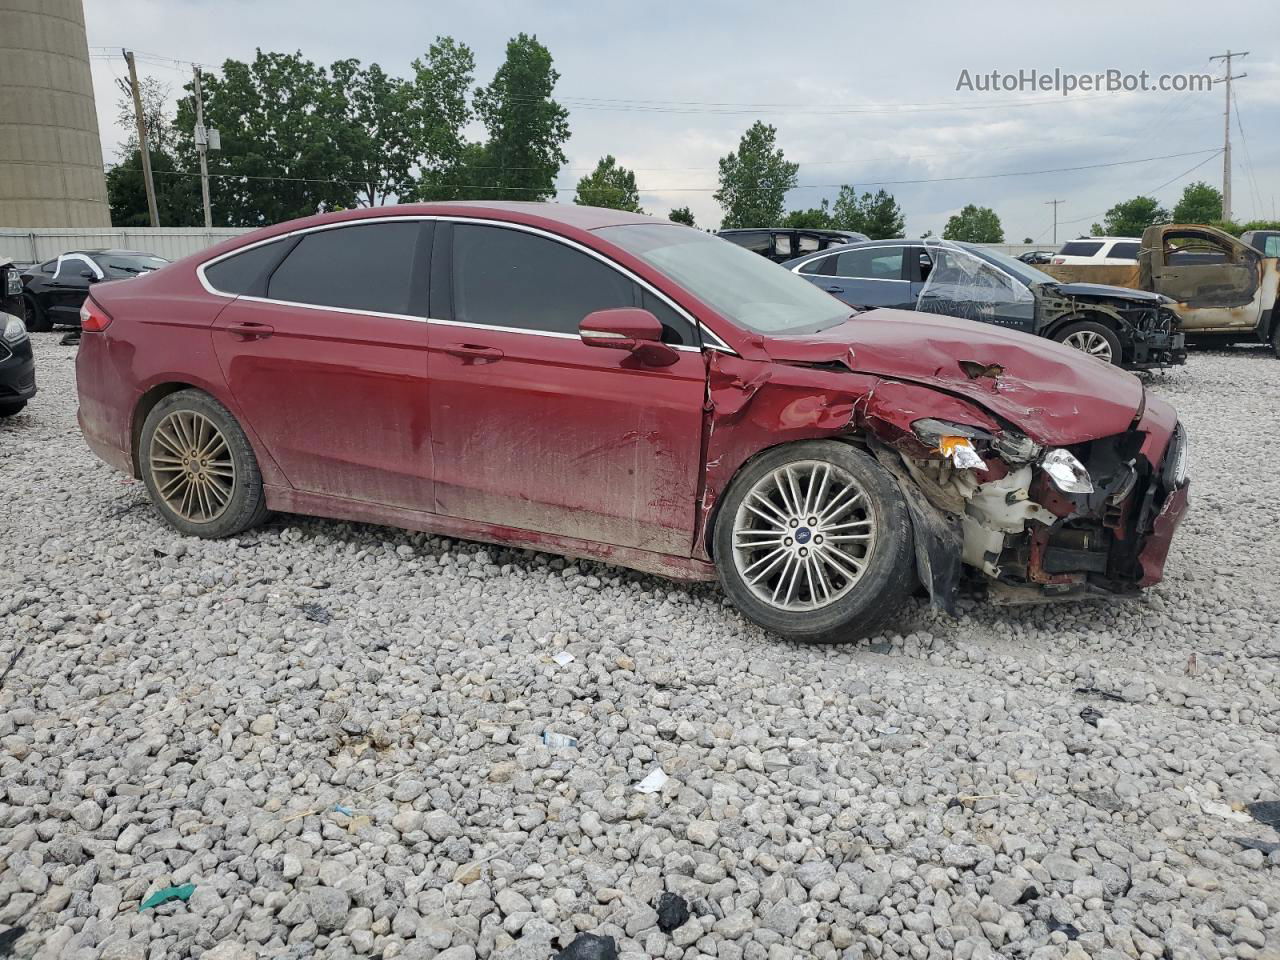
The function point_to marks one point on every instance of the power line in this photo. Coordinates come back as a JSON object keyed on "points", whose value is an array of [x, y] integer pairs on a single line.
{"points": [[1184, 173]]}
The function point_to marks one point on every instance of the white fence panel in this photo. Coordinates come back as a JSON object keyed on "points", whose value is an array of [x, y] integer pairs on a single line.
{"points": [[172, 243]]}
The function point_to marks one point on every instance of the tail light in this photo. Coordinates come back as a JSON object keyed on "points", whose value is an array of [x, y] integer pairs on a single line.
{"points": [[1059, 260], [93, 319]]}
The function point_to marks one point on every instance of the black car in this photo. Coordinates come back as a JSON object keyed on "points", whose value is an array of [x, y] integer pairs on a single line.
{"points": [[783, 243], [1034, 257], [55, 289], [17, 365], [1130, 328]]}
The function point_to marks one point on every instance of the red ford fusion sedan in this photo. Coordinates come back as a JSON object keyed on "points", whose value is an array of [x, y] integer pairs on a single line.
{"points": [[611, 386]]}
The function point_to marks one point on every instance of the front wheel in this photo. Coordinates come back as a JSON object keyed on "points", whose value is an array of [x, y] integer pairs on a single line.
{"points": [[12, 407], [813, 541], [199, 468], [1096, 339]]}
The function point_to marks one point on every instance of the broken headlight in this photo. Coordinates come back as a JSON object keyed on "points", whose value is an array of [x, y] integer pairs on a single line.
{"points": [[12, 329], [1067, 473], [1015, 448], [953, 440]]}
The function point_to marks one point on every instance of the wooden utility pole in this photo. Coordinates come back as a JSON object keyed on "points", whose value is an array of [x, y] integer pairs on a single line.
{"points": [[1226, 132], [1055, 217], [202, 148], [143, 147]]}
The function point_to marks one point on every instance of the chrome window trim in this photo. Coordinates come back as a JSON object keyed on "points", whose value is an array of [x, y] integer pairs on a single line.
{"points": [[709, 339], [841, 276]]}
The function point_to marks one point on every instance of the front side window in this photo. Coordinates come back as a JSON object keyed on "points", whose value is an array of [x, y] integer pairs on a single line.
{"points": [[749, 291], [72, 266], [510, 278], [361, 267], [1193, 248], [874, 263]]}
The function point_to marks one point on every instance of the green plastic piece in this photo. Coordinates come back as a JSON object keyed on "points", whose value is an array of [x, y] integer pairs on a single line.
{"points": [[183, 893]]}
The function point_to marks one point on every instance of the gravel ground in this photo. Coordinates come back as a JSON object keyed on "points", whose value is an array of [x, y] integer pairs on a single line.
{"points": [[334, 731]]}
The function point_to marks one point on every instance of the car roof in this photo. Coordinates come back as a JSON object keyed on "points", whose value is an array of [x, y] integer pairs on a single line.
{"points": [[1088, 239], [115, 251]]}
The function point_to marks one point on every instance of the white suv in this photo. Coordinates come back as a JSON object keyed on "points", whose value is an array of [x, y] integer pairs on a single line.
{"points": [[1099, 250]]}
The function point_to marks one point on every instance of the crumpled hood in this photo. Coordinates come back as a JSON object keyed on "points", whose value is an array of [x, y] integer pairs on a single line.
{"points": [[1104, 290], [1054, 394]]}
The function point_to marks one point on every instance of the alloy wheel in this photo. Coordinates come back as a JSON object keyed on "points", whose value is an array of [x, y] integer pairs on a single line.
{"points": [[804, 535], [1090, 342], [192, 466]]}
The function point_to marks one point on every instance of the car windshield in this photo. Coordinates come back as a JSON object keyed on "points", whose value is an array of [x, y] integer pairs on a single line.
{"points": [[745, 287], [1011, 265], [128, 264]]}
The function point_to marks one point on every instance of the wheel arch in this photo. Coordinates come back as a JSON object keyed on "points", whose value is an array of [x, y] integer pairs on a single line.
{"points": [[1093, 314], [142, 409]]}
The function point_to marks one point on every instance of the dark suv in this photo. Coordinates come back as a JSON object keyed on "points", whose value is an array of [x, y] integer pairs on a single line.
{"points": [[783, 243], [17, 365]]}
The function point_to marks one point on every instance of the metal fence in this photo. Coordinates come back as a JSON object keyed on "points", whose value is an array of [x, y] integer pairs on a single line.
{"points": [[173, 243]]}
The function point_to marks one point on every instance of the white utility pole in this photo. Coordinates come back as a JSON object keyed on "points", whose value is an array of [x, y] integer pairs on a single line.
{"points": [[1226, 131], [1055, 217], [202, 148], [143, 147]]}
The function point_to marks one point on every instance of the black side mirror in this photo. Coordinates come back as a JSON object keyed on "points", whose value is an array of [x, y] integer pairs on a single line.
{"points": [[89, 275]]}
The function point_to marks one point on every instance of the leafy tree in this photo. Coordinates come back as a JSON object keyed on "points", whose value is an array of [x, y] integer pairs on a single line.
{"points": [[177, 196], [815, 218], [1027, 240], [1200, 203], [878, 215], [682, 215], [974, 224], [1130, 218], [527, 129], [754, 180], [609, 185], [155, 114]]}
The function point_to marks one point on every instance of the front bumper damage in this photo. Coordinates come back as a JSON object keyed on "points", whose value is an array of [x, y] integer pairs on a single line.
{"points": [[1009, 525], [1156, 336]]}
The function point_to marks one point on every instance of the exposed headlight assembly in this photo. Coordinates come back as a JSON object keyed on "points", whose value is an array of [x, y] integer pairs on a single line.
{"points": [[952, 440], [1067, 473], [15, 331]]}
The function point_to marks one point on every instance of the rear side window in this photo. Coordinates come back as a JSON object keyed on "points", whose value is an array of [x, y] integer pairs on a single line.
{"points": [[756, 240], [246, 273], [1125, 251], [509, 278], [1080, 248], [825, 266], [361, 267]]}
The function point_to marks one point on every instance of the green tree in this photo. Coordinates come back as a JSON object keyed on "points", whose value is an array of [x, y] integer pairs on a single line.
{"points": [[527, 129], [974, 224], [877, 215], [682, 215], [283, 145], [1130, 218], [1200, 203], [609, 185], [815, 218], [177, 194], [1027, 240], [754, 180]]}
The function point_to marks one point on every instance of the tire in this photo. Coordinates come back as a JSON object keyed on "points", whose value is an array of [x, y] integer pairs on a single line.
{"points": [[1275, 339], [37, 320], [854, 606], [219, 492], [12, 407], [1085, 334]]}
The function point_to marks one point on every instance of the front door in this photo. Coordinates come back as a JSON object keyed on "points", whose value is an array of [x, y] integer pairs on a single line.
{"points": [[69, 286], [954, 282], [330, 366], [1206, 269], [533, 429]]}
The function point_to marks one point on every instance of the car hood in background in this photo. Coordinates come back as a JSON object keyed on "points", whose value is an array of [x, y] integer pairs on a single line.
{"points": [[1052, 393], [1103, 290]]}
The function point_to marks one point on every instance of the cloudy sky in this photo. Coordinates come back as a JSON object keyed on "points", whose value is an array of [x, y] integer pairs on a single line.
{"points": [[863, 94]]}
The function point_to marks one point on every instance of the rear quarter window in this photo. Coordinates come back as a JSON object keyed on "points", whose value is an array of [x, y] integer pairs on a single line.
{"points": [[1080, 248], [1124, 251], [361, 267], [246, 273]]}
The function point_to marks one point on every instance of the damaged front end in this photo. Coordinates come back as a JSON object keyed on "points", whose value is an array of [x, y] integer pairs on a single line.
{"points": [[1150, 331], [1037, 522]]}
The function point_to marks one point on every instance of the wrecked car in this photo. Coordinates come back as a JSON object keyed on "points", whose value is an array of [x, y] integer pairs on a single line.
{"points": [[1122, 326], [1222, 289], [611, 386]]}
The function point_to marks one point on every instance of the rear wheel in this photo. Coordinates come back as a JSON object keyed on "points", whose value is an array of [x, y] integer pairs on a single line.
{"points": [[37, 320], [1096, 339], [814, 542], [199, 468]]}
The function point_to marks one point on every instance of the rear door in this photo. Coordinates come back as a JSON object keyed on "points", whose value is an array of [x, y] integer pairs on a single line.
{"points": [[535, 430], [863, 276], [69, 286], [326, 355]]}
